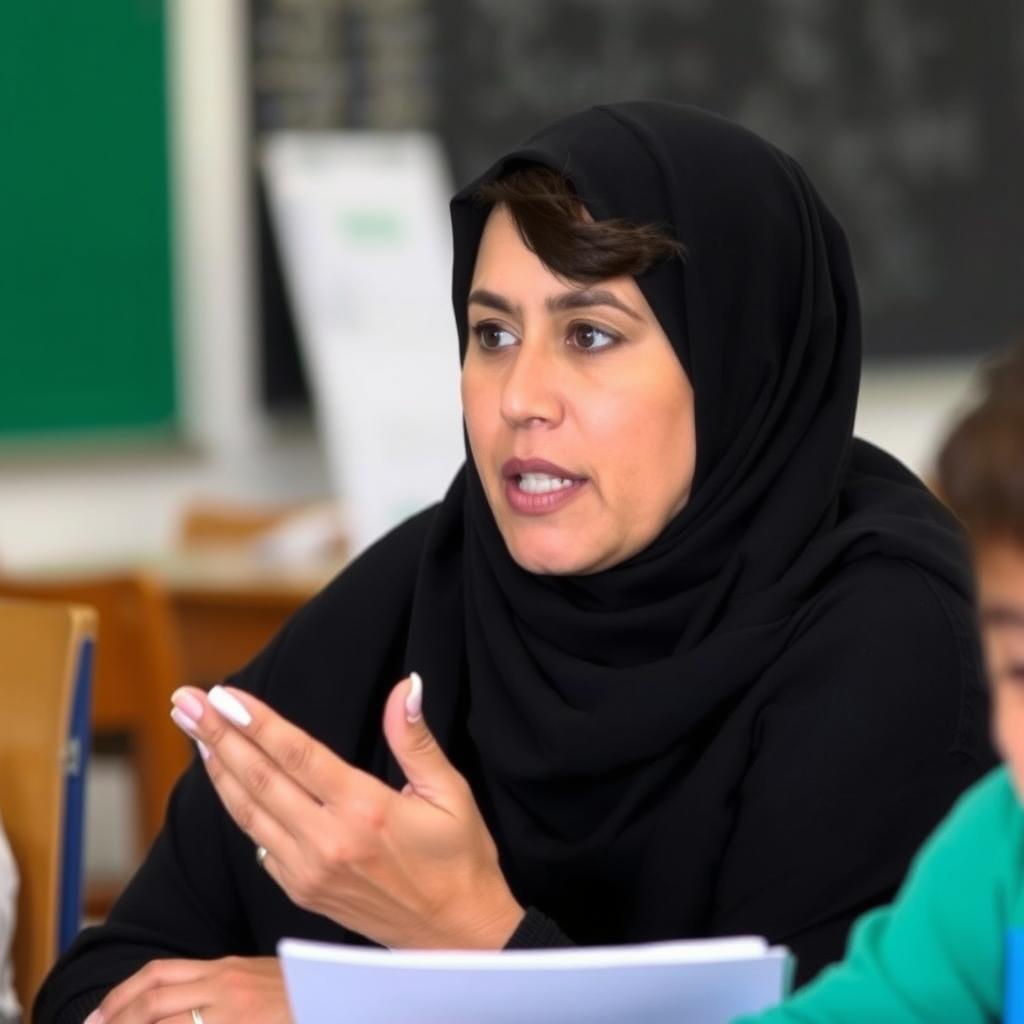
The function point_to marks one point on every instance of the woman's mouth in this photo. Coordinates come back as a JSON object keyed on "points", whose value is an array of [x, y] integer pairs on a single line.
{"points": [[542, 483], [537, 487]]}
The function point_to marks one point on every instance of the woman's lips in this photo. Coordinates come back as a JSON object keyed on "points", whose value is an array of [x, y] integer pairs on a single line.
{"points": [[536, 487], [540, 504]]}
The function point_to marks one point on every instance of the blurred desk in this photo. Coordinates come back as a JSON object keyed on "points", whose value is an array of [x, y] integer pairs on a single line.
{"points": [[228, 605]]}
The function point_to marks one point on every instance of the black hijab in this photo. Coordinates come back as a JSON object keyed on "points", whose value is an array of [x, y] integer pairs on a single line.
{"points": [[583, 708]]}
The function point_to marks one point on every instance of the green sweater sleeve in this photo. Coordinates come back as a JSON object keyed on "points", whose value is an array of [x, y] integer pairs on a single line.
{"points": [[935, 955]]}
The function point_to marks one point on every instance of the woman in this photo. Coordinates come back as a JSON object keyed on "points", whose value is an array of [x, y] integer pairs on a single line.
{"points": [[693, 661]]}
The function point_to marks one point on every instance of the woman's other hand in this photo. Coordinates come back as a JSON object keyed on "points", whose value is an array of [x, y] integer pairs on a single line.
{"points": [[410, 869], [223, 991]]}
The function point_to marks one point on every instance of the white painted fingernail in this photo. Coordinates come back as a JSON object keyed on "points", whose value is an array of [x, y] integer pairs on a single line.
{"points": [[229, 706], [414, 698], [204, 750], [182, 721], [94, 1018], [188, 702]]}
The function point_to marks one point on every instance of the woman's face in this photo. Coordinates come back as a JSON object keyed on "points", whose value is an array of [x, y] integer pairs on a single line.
{"points": [[579, 414], [1000, 567]]}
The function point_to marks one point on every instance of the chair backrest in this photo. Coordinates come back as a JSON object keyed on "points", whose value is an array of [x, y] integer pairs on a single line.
{"points": [[138, 666], [45, 654]]}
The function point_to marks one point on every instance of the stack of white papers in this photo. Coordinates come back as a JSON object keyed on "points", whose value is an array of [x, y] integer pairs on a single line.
{"points": [[705, 982]]}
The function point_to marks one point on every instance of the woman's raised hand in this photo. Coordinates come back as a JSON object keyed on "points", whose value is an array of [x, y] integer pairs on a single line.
{"points": [[410, 869], [222, 991]]}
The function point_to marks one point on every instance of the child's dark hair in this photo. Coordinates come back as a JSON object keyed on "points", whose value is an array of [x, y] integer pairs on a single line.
{"points": [[981, 464]]}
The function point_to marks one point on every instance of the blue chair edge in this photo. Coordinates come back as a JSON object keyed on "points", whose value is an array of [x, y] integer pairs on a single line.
{"points": [[76, 765]]}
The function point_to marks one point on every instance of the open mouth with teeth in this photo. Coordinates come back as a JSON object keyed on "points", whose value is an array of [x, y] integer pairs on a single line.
{"points": [[542, 483], [539, 490]]}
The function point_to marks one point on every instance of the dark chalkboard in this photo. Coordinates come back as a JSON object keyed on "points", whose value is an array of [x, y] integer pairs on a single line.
{"points": [[908, 115]]}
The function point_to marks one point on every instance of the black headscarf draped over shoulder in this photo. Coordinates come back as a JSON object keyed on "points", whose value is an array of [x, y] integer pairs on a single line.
{"points": [[608, 721]]}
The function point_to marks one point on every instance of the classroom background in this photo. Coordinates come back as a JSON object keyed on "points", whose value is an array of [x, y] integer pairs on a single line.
{"points": [[161, 413]]}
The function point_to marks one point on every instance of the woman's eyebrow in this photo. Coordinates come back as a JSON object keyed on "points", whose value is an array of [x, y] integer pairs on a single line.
{"points": [[1002, 615], [483, 297], [582, 298], [586, 297]]}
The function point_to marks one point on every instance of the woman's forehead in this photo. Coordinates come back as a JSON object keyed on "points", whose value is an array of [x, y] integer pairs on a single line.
{"points": [[507, 273]]}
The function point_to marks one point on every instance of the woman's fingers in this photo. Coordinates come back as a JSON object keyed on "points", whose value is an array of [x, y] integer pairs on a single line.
{"points": [[155, 975], [425, 765], [261, 809], [223, 991], [168, 1003], [308, 763], [311, 764], [258, 794], [263, 767]]}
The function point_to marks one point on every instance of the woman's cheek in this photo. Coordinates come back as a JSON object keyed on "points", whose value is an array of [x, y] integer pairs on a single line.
{"points": [[480, 427]]}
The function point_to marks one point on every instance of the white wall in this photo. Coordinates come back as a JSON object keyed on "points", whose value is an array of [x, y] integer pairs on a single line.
{"points": [[907, 407]]}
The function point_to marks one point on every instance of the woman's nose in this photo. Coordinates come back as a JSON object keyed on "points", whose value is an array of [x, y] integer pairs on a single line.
{"points": [[531, 389]]}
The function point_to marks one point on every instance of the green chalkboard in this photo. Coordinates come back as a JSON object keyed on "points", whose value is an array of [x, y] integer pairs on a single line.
{"points": [[86, 331]]}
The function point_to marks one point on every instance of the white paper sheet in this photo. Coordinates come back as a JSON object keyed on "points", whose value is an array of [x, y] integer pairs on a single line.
{"points": [[362, 223], [707, 982]]}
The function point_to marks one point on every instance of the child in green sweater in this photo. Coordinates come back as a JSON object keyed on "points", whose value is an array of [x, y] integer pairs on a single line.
{"points": [[951, 946]]}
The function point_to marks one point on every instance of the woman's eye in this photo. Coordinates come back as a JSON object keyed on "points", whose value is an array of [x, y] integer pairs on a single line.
{"points": [[591, 338], [493, 336], [1013, 675]]}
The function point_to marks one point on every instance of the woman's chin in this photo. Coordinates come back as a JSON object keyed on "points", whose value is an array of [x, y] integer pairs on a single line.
{"points": [[556, 556]]}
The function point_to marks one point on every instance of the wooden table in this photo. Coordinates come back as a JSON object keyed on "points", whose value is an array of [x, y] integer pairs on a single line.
{"points": [[229, 605], [227, 602]]}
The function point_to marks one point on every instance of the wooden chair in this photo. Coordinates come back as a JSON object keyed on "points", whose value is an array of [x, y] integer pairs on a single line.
{"points": [[45, 663], [138, 666]]}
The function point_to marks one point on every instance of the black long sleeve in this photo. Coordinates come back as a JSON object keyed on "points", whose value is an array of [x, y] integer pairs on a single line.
{"points": [[537, 931]]}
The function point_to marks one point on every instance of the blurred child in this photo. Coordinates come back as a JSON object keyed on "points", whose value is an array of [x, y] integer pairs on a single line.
{"points": [[951, 946]]}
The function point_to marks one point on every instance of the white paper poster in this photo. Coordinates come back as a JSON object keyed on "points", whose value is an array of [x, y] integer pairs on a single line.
{"points": [[361, 219]]}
